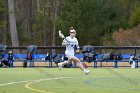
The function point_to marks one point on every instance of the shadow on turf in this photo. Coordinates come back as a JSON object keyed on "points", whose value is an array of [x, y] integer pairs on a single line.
{"points": [[130, 81], [127, 79], [92, 82], [60, 81], [4, 91]]}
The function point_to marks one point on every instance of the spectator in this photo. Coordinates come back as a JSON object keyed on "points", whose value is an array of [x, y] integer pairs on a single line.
{"points": [[5, 63], [30, 58], [2, 53], [10, 58]]}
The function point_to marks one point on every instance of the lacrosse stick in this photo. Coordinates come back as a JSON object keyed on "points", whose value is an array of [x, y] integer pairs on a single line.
{"points": [[62, 36]]}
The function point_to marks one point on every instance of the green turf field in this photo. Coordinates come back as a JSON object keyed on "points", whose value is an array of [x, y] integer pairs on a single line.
{"points": [[69, 80]]}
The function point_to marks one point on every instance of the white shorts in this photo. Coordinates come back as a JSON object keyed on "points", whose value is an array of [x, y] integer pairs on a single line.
{"points": [[69, 56]]}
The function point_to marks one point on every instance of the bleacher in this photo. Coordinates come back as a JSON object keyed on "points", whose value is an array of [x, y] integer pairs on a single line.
{"points": [[125, 58], [41, 58]]}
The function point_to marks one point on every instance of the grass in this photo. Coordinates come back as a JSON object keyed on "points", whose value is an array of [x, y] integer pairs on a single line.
{"points": [[69, 80]]}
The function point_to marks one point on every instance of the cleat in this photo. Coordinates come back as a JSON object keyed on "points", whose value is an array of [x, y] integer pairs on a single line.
{"points": [[87, 72]]}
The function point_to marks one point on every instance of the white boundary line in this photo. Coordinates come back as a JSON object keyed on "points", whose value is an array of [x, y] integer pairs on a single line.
{"points": [[16, 82], [42, 91], [11, 83]]}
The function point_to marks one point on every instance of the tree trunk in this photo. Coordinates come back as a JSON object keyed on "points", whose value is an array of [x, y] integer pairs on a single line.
{"points": [[38, 5], [24, 17], [3, 22], [12, 21], [28, 19], [56, 6]]}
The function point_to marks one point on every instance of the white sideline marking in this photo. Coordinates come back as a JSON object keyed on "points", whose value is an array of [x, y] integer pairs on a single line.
{"points": [[42, 91], [11, 83], [15, 82]]}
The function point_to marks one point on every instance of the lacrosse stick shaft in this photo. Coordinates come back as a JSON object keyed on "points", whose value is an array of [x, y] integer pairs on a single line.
{"points": [[67, 40]]}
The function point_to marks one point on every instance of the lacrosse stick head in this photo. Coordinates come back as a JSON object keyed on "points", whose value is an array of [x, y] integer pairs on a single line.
{"points": [[61, 35]]}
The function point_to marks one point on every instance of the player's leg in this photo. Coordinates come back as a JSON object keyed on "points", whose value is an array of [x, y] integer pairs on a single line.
{"points": [[63, 63], [75, 59]]}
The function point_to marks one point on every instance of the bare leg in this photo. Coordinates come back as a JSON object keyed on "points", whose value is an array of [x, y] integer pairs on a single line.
{"points": [[75, 59], [67, 62], [63, 63]]}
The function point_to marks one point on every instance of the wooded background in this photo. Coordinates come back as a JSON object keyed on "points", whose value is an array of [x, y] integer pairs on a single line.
{"points": [[97, 22]]}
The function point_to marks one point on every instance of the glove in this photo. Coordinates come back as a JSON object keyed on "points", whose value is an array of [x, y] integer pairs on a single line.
{"points": [[77, 51]]}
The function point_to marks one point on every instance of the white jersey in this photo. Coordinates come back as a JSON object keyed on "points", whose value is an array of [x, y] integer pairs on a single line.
{"points": [[70, 45]]}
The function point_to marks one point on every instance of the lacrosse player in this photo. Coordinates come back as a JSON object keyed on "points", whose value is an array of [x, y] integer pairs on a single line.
{"points": [[71, 44]]}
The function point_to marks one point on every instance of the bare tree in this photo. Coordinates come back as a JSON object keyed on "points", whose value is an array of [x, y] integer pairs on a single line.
{"points": [[38, 5], [56, 6], [13, 29]]}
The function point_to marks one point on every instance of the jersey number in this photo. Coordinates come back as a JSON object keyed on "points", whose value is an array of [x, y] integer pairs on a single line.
{"points": [[72, 45]]}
